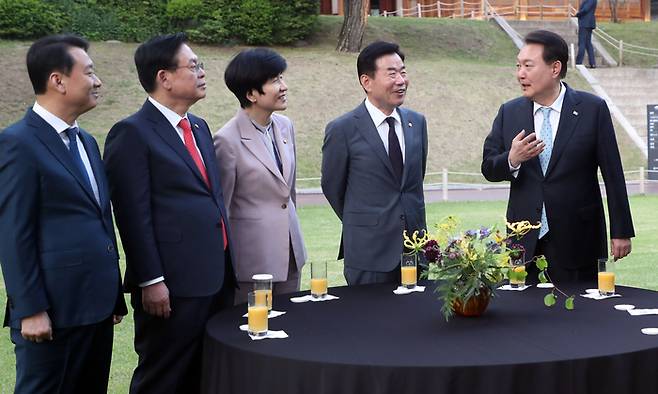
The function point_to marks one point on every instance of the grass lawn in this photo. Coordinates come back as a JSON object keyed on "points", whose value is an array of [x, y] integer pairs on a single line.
{"points": [[322, 233], [644, 34]]}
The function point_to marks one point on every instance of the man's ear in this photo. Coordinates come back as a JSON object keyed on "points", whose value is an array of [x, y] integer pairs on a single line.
{"points": [[557, 68], [56, 82], [162, 79], [365, 81]]}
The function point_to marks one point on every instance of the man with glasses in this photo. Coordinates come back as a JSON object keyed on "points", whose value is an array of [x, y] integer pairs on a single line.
{"points": [[57, 248], [170, 213]]}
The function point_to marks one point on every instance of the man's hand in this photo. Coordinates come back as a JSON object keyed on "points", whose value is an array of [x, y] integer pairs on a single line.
{"points": [[155, 300], [620, 247], [116, 319], [37, 328], [524, 148]]}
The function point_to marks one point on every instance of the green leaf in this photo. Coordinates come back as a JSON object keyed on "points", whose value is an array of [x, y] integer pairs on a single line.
{"points": [[568, 303], [541, 263], [550, 299], [542, 277]]}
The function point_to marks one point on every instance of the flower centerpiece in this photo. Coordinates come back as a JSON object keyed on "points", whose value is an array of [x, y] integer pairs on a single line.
{"points": [[468, 266]]}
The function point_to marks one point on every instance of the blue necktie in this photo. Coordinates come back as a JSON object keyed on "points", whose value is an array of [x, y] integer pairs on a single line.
{"points": [[546, 135], [72, 133]]}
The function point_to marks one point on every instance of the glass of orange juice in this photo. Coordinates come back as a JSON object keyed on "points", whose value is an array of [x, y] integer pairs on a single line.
{"points": [[263, 287], [606, 277], [408, 270], [257, 314], [319, 279]]}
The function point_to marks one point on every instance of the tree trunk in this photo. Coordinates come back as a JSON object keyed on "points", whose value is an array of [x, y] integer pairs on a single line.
{"points": [[613, 10], [354, 24]]}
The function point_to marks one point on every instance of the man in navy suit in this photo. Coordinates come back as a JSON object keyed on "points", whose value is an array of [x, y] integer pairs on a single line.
{"points": [[57, 248], [373, 166], [550, 144], [171, 216], [586, 24]]}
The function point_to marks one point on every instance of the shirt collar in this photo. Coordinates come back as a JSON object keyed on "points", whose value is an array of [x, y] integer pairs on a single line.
{"points": [[557, 104], [172, 117], [377, 116], [56, 123]]}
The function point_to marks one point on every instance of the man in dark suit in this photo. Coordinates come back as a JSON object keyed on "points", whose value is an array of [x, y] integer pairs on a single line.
{"points": [[170, 213], [549, 144], [586, 24], [373, 166], [58, 249]]}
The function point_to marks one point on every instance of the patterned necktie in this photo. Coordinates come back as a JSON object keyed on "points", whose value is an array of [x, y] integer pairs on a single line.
{"points": [[546, 135], [394, 151], [72, 133], [191, 148]]}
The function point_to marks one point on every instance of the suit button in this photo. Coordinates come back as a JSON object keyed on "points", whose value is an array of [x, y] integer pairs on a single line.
{"points": [[284, 206], [110, 248], [401, 217]]}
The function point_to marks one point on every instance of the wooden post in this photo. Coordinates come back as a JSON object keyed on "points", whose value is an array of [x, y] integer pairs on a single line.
{"points": [[444, 188], [438, 9], [523, 5], [385, 15], [461, 3], [642, 181], [541, 10], [621, 52], [646, 10], [572, 55], [420, 11], [483, 9]]}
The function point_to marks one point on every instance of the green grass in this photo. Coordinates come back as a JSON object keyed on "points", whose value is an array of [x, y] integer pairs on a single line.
{"points": [[322, 233], [633, 32]]}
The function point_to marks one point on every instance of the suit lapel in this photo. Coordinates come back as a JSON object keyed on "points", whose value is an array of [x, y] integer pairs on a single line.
{"points": [[568, 122], [528, 124], [368, 131], [164, 129], [251, 139], [96, 167], [49, 137], [410, 145], [282, 139]]}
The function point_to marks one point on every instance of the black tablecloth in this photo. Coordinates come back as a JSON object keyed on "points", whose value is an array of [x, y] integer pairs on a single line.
{"points": [[372, 341]]}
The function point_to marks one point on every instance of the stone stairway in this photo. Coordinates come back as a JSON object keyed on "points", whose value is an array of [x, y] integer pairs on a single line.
{"points": [[566, 28], [631, 89]]}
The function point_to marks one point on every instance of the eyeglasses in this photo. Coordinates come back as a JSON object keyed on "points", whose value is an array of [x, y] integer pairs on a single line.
{"points": [[194, 67]]}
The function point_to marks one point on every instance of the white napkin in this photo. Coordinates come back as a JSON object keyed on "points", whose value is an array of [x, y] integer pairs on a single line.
{"points": [[642, 312], [596, 296], [309, 297], [270, 334], [510, 288], [547, 285], [270, 315], [403, 290]]}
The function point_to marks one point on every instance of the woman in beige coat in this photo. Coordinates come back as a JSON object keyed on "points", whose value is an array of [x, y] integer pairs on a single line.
{"points": [[256, 158]]}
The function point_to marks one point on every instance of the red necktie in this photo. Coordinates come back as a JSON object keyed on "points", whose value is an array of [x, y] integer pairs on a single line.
{"points": [[191, 148]]}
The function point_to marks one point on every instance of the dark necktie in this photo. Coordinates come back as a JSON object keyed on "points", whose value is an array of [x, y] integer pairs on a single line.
{"points": [[394, 151], [72, 133]]}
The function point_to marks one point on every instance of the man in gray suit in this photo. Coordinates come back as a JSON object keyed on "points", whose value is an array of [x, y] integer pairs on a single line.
{"points": [[373, 166]]}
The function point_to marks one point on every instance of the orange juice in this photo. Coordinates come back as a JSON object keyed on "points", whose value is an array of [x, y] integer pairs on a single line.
{"points": [[408, 275], [260, 298], [257, 319], [607, 283], [515, 281], [318, 286]]}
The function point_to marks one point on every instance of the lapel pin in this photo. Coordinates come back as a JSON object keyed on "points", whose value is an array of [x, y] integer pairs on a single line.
{"points": [[196, 125], [575, 113], [410, 124], [285, 141]]}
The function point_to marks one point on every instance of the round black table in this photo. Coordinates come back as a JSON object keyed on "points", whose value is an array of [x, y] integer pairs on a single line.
{"points": [[371, 341]]}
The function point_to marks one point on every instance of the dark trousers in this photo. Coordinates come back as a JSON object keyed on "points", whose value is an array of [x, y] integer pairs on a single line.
{"points": [[170, 349], [558, 273], [290, 285], [77, 360], [355, 276], [585, 43]]}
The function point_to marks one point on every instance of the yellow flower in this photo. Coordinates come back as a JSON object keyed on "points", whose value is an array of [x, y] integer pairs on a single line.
{"points": [[519, 229], [415, 243]]}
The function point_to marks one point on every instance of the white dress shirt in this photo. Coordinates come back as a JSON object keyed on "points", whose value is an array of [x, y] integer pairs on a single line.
{"points": [[60, 127], [554, 118], [379, 119]]}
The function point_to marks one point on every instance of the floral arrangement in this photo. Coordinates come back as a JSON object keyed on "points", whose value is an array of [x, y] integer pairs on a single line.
{"points": [[469, 263]]}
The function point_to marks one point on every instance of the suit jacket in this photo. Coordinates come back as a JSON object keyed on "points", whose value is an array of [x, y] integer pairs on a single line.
{"points": [[358, 181], [585, 142], [586, 14], [261, 201], [57, 249], [168, 219]]}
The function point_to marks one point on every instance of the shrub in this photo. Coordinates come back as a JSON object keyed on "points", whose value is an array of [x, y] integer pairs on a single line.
{"points": [[29, 19]]}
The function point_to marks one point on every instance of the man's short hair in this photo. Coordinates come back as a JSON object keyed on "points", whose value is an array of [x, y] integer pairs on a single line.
{"points": [[158, 53], [367, 60], [250, 70], [51, 53], [555, 48]]}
